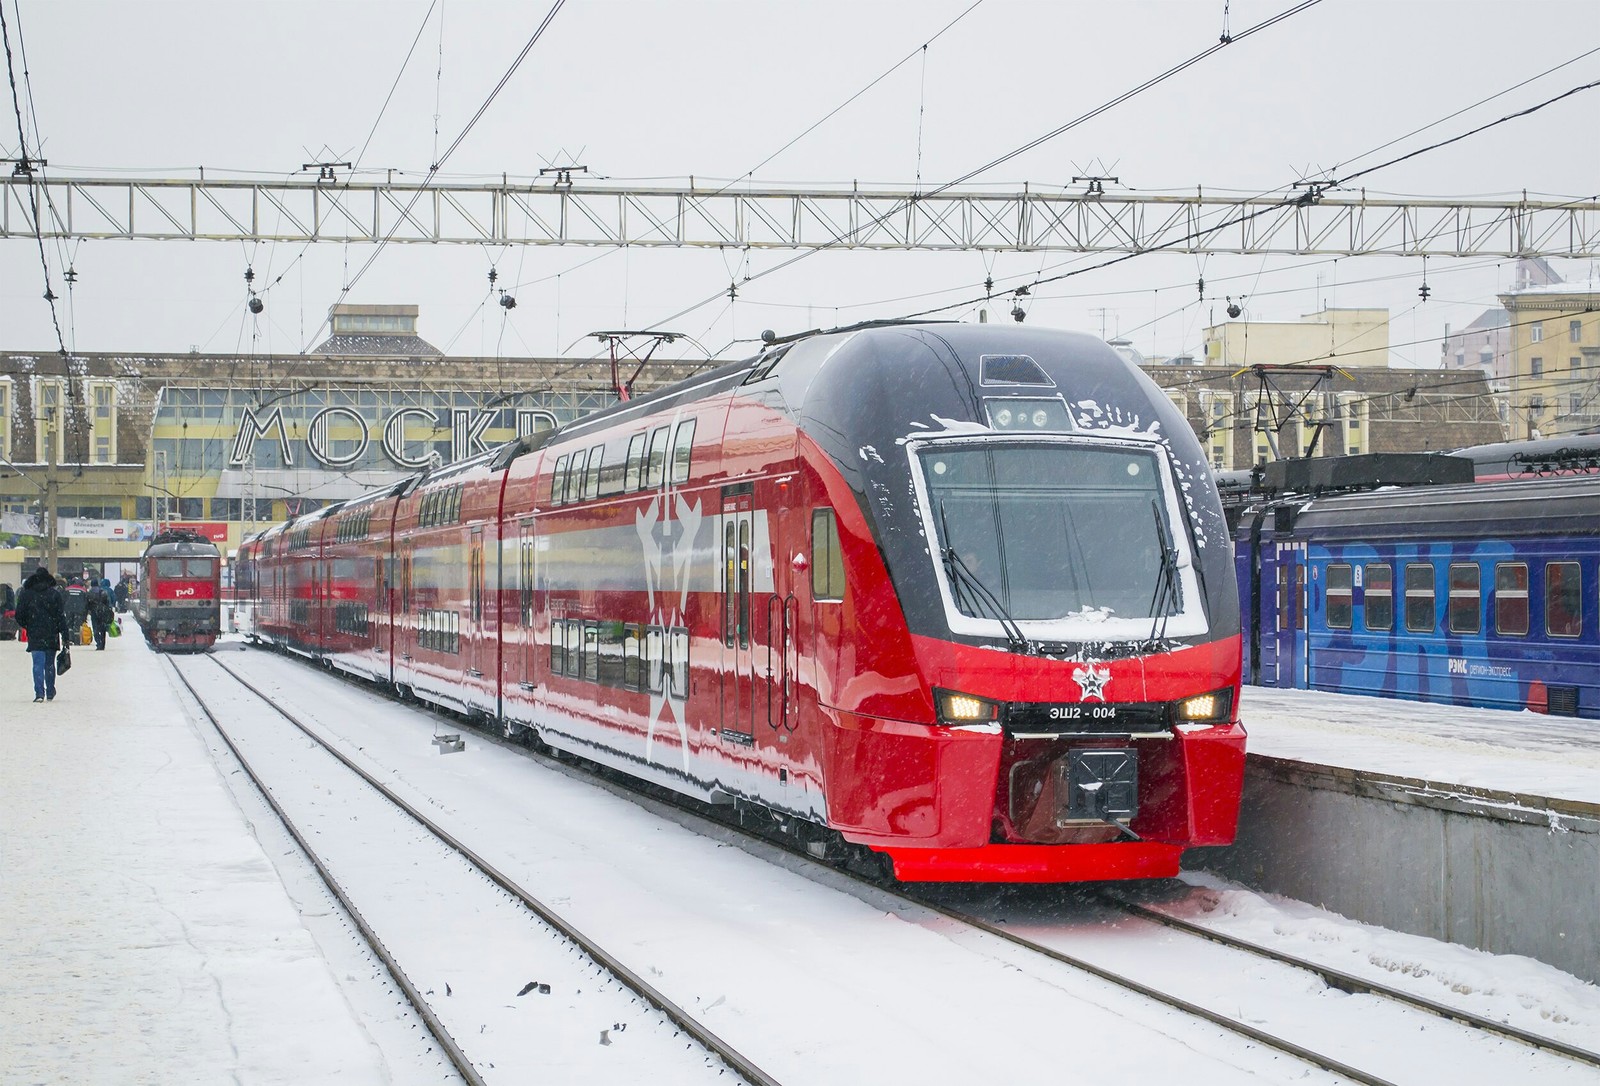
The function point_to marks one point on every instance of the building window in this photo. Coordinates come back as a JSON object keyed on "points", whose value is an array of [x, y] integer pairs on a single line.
{"points": [[1563, 599], [1420, 613], [1511, 599], [1341, 596], [1536, 332], [1465, 615], [1379, 605], [1535, 367]]}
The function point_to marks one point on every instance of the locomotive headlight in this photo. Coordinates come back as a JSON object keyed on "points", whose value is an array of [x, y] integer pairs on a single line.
{"points": [[1040, 417], [1002, 417], [957, 709], [1212, 708]]}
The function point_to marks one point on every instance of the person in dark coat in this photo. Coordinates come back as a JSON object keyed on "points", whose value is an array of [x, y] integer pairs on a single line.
{"points": [[102, 609], [42, 611], [121, 595], [77, 608]]}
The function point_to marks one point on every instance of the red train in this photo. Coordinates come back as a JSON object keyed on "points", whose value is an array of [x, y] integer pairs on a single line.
{"points": [[179, 600], [958, 594]]}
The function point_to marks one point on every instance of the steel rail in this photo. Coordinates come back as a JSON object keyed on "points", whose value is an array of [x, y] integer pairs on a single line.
{"points": [[414, 996], [1354, 985], [634, 981]]}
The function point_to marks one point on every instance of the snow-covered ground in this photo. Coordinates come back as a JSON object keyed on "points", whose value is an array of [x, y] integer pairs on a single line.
{"points": [[1530, 754], [149, 938]]}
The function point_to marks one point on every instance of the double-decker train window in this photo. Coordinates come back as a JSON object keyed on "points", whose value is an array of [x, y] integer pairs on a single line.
{"points": [[658, 459], [1378, 610], [632, 673], [591, 478], [610, 668], [678, 661], [574, 489], [682, 449], [827, 562], [635, 474], [1466, 598], [1341, 596], [1563, 599], [591, 652], [744, 583], [558, 482], [575, 649], [652, 658], [1421, 612], [558, 647]]}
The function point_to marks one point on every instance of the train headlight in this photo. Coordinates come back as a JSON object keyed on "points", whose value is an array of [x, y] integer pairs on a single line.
{"points": [[1206, 709], [962, 709]]}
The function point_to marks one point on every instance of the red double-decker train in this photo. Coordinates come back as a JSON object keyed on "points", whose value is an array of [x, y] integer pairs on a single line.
{"points": [[179, 600], [960, 595]]}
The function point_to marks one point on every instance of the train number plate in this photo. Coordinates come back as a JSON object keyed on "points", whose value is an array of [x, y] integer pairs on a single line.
{"points": [[1102, 784]]}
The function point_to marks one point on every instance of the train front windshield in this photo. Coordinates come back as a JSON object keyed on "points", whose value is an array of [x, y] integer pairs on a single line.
{"points": [[1073, 539], [187, 568]]}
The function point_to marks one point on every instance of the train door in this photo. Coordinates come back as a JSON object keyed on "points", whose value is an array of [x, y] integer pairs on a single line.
{"points": [[779, 653], [405, 631], [526, 663], [474, 646], [737, 673], [1290, 631]]}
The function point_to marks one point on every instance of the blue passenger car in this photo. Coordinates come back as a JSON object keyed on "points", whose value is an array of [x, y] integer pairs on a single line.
{"points": [[1477, 594]]}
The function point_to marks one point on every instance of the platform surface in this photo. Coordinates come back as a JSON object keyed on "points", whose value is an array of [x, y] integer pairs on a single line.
{"points": [[1528, 755]]}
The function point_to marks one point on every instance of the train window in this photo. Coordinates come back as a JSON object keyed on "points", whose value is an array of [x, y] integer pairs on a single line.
{"points": [[658, 458], [558, 647], [575, 475], [1379, 606], [632, 674], [652, 658], [1421, 613], [169, 567], [613, 475], [611, 667], [1563, 599], [591, 651], [591, 478], [1465, 609], [1341, 596], [455, 631], [682, 448], [575, 649], [455, 502], [678, 653], [635, 474], [730, 580], [526, 574], [1511, 599], [558, 482], [827, 563]]}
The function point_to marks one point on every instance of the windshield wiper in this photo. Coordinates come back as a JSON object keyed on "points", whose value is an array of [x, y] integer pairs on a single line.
{"points": [[960, 575], [1166, 586]]}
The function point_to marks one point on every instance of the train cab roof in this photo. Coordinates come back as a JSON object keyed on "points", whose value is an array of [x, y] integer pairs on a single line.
{"points": [[183, 548]]}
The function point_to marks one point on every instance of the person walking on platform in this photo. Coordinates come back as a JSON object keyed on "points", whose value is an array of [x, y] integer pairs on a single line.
{"points": [[102, 610], [42, 612], [121, 594], [77, 608]]}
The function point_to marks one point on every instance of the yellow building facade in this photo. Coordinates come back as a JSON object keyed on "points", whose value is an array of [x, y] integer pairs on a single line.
{"points": [[1554, 383], [1340, 337]]}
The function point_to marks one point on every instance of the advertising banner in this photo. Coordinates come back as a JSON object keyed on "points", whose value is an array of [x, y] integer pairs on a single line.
{"points": [[214, 530]]}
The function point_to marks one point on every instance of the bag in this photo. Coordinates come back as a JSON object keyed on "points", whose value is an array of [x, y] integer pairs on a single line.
{"points": [[22, 634], [85, 634], [115, 629], [63, 662]]}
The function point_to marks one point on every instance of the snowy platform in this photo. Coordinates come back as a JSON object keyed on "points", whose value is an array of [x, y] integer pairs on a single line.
{"points": [[1472, 825], [147, 935]]}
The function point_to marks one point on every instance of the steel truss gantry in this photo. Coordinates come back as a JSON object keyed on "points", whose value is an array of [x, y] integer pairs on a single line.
{"points": [[1301, 223]]}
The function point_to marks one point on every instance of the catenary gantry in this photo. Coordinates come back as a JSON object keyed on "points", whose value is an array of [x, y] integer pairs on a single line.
{"points": [[1301, 222]]}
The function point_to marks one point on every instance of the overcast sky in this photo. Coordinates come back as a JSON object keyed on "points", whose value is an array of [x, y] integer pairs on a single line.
{"points": [[658, 91]]}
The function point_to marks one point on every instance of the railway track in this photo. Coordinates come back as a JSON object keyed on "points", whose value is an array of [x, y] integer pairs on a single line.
{"points": [[426, 1000], [1313, 1053]]}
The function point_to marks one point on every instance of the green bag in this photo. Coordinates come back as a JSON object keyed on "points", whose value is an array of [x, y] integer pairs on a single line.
{"points": [[115, 629]]}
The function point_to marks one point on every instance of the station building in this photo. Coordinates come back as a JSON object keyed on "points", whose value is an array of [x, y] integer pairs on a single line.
{"points": [[225, 444]]}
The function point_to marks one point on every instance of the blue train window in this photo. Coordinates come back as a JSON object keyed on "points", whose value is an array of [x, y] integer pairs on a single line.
{"points": [[1421, 615], [1563, 600], [1379, 596], [1465, 598], [1341, 596], [1511, 599]]}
